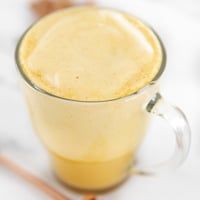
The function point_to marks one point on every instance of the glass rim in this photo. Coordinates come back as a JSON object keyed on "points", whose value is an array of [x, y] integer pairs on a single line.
{"points": [[44, 92]]}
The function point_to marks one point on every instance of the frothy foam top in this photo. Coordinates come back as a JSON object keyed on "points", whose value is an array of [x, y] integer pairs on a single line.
{"points": [[90, 54]]}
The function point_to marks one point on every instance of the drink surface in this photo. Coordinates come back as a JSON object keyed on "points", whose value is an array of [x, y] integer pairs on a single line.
{"points": [[90, 54]]}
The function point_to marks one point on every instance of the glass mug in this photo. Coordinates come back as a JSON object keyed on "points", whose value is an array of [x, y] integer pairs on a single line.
{"points": [[93, 144]]}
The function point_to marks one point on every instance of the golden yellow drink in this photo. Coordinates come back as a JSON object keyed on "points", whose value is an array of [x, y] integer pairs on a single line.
{"points": [[83, 60]]}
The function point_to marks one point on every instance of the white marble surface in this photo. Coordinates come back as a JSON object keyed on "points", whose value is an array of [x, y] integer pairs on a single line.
{"points": [[178, 23]]}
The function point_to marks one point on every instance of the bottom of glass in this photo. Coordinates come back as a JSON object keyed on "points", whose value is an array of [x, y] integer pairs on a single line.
{"points": [[93, 176]]}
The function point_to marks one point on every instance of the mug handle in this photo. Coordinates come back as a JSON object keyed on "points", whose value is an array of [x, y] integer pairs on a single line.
{"points": [[177, 120]]}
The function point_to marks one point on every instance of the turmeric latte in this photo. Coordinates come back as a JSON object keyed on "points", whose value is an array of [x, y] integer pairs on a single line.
{"points": [[89, 54]]}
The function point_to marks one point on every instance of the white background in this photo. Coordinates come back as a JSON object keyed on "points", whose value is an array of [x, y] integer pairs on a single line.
{"points": [[178, 24]]}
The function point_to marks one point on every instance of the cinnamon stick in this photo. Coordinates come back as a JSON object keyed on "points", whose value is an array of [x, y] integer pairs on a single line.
{"points": [[44, 7], [40, 184], [90, 197]]}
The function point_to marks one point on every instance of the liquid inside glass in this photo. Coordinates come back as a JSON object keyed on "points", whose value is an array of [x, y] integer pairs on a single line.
{"points": [[84, 60]]}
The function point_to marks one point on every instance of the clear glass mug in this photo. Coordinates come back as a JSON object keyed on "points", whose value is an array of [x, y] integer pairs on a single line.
{"points": [[93, 145]]}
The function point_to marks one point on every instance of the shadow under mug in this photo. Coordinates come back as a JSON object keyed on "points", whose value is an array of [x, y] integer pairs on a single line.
{"points": [[93, 144]]}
